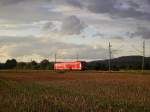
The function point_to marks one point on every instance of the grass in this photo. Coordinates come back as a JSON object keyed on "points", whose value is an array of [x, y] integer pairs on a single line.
{"points": [[74, 92]]}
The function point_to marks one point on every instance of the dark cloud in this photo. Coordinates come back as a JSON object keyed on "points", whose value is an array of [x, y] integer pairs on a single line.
{"points": [[148, 1], [143, 32], [9, 2], [48, 25], [100, 6], [133, 4], [72, 25], [114, 8], [75, 3], [26, 11], [33, 11], [118, 8]]}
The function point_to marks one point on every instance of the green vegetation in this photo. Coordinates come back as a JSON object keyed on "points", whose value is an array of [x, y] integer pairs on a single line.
{"points": [[121, 63], [117, 64], [36, 92], [13, 64]]}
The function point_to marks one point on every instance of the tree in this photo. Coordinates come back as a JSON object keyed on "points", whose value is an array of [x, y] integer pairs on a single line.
{"points": [[1, 66], [33, 65], [44, 64], [11, 64], [21, 65]]}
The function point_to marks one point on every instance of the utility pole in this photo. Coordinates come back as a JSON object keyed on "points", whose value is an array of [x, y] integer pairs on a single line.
{"points": [[109, 62], [55, 61], [77, 57], [143, 56], [55, 57]]}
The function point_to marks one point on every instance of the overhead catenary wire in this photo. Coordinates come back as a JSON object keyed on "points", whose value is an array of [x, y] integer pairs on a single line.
{"points": [[55, 58], [77, 57], [143, 57], [142, 53], [110, 56]]}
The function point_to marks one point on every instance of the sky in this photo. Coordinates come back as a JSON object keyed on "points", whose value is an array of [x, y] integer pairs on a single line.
{"points": [[39, 29]]}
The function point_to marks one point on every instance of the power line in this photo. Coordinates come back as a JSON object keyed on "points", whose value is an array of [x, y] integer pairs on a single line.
{"points": [[77, 57], [137, 50], [55, 58], [110, 53], [143, 57], [142, 52]]}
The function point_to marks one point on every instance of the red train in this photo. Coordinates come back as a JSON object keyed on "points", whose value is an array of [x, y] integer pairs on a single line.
{"points": [[78, 65]]}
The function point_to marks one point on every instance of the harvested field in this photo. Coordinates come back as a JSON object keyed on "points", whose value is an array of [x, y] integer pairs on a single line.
{"points": [[47, 91]]}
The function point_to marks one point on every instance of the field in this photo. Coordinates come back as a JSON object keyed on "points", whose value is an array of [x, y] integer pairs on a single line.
{"points": [[47, 91]]}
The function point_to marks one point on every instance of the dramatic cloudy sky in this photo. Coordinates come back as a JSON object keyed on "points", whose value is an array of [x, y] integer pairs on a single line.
{"points": [[37, 29]]}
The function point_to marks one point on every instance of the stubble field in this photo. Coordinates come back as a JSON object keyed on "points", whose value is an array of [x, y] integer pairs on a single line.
{"points": [[47, 91]]}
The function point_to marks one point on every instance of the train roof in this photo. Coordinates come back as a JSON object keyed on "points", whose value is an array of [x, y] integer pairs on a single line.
{"points": [[72, 62]]}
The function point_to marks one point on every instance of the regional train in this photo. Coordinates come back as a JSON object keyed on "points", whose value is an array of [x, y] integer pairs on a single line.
{"points": [[77, 65]]}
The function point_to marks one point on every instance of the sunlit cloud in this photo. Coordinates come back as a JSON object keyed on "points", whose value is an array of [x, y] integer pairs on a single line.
{"points": [[38, 29]]}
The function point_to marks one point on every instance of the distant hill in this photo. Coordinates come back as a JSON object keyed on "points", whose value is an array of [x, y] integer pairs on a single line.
{"points": [[125, 62]]}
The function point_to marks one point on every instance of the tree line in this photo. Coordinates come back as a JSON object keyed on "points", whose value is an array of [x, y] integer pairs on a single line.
{"points": [[33, 65], [121, 63]]}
